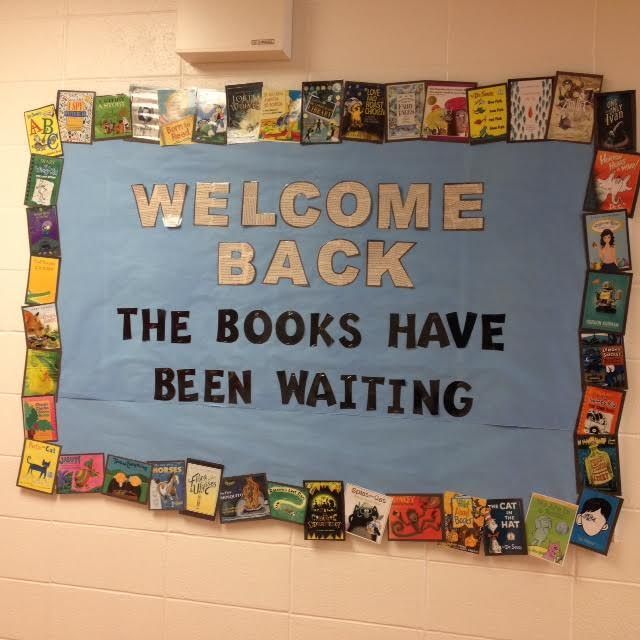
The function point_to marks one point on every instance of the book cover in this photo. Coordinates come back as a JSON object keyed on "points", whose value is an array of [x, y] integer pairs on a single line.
{"points": [[549, 524], [598, 463], [464, 518], [324, 519], [321, 112], [488, 111], [416, 517], [244, 498], [287, 502], [38, 466], [177, 109], [43, 181], [145, 119], [44, 232], [41, 326], [364, 112], [41, 373], [211, 116], [596, 520], [504, 533], [113, 117], [404, 110], [613, 182], [280, 120], [167, 488], [42, 282], [366, 513], [75, 116], [529, 108], [80, 473], [43, 132], [244, 106], [446, 118], [602, 360], [126, 479], [606, 302], [572, 109], [616, 121], [39, 418], [203, 480], [600, 411], [607, 241]]}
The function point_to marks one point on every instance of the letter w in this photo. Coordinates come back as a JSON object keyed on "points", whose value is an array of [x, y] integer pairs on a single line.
{"points": [[292, 387], [171, 205]]}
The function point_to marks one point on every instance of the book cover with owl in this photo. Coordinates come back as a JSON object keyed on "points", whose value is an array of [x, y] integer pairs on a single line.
{"points": [[322, 110], [244, 497], [76, 112], [127, 479], [41, 327], [38, 466], [324, 519], [167, 488], [287, 502], [202, 486], [43, 132], [529, 108], [504, 533], [44, 232], [42, 282], [244, 109], [487, 113], [464, 518], [39, 418], [416, 517], [41, 373], [364, 119], [548, 524], [80, 473], [614, 182], [366, 513], [597, 459]]}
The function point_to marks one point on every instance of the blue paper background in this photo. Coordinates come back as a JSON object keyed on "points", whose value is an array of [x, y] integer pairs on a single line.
{"points": [[529, 263]]}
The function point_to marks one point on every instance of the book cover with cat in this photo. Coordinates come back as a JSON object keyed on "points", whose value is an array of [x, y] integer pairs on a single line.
{"points": [[126, 479], [324, 519], [464, 518], [44, 232], [602, 360], [366, 513], [80, 473], [203, 481], [167, 489], [322, 105], [42, 281], [38, 466], [597, 460], [287, 502], [613, 182], [113, 117], [76, 115], [43, 132], [605, 302], [244, 498], [41, 373], [548, 524], [145, 119], [39, 418], [416, 517], [280, 120], [600, 411], [364, 118], [177, 108], [504, 532], [43, 181], [41, 327], [596, 520], [211, 116], [616, 121], [607, 241], [244, 108]]}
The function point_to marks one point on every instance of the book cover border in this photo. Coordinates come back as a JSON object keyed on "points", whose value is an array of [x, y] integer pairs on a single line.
{"points": [[546, 124]]}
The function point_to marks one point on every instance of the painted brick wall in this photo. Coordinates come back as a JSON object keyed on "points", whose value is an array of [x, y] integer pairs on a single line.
{"points": [[94, 568]]}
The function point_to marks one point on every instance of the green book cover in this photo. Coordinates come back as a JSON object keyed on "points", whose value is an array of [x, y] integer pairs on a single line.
{"points": [[112, 117], [287, 502], [43, 181]]}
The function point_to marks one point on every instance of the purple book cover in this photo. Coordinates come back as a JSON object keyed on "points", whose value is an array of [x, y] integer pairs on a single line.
{"points": [[44, 235]]}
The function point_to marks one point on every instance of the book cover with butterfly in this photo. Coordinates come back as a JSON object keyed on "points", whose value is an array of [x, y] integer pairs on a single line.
{"points": [[167, 487], [39, 418], [38, 466], [44, 231], [80, 473], [43, 132]]}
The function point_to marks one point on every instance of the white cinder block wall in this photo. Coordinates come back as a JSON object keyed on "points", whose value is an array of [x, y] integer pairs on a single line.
{"points": [[79, 568]]}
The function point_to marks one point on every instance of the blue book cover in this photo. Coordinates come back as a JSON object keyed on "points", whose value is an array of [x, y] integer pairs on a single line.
{"points": [[596, 520]]}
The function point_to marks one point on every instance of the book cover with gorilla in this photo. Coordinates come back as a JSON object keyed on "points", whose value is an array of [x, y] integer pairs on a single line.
{"points": [[416, 517], [244, 498], [324, 519], [616, 121], [363, 119], [504, 533], [464, 521], [127, 479], [366, 513]]}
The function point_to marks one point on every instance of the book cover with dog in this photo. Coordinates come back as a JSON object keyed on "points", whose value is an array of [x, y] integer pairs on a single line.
{"points": [[366, 512], [166, 491], [38, 466], [80, 473]]}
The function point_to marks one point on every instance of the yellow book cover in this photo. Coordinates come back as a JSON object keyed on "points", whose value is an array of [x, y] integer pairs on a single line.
{"points": [[487, 113], [42, 286], [38, 466], [41, 373], [43, 131], [178, 132], [275, 107], [203, 487]]}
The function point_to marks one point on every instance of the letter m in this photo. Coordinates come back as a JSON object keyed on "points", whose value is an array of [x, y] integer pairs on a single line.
{"points": [[171, 205]]}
